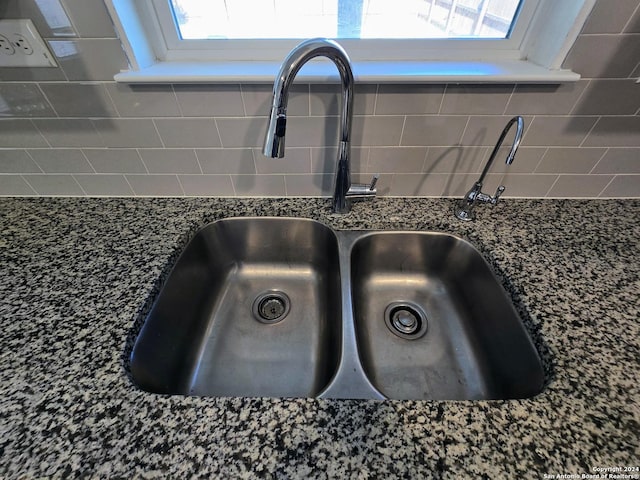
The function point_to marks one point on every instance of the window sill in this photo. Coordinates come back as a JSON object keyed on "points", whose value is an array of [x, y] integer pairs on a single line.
{"points": [[504, 71]]}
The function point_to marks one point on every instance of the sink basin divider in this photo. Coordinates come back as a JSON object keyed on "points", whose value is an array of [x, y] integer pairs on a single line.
{"points": [[350, 380]]}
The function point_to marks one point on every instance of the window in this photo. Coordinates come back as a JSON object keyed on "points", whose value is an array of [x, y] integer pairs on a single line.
{"points": [[398, 40], [197, 20]]}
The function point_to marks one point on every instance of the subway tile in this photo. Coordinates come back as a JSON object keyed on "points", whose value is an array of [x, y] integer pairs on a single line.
{"points": [[545, 99], [104, 185], [570, 160], [634, 23], [476, 99], [79, 99], [326, 99], [582, 186], [127, 132], [115, 160], [455, 159], [623, 186], [525, 161], [90, 59], [603, 56], [440, 130], [485, 130], [396, 159], [61, 160], [258, 98], [259, 185], [314, 185], [188, 132], [20, 133], [23, 100], [558, 131], [226, 160], [408, 99], [325, 159], [210, 100], [143, 100], [295, 160], [31, 74], [309, 132], [619, 160], [609, 16], [207, 185], [170, 160], [609, 97], [51, 21], [66, 132], [54, 185], [458, 184], [522, 185], [17, 161], [615, 132], [90, 18], [14, 185], [376, 130], [155, 185], [412, 185]]}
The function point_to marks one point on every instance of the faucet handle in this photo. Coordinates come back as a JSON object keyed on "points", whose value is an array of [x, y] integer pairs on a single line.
{"points": [[363, 189], [499, 191], [374, 180]]}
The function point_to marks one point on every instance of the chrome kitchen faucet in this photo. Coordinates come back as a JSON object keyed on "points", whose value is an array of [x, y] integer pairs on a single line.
{"points": [[464, 210], [276, 129]]}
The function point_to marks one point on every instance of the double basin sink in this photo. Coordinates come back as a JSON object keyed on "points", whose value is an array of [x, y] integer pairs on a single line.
{"points": [[288, 307]]}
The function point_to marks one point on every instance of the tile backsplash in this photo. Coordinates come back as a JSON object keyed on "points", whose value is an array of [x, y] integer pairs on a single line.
{"points": [[73, 131]]}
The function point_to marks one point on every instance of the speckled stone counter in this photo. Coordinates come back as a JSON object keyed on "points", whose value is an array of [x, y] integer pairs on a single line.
{"points": [[78, 275]]}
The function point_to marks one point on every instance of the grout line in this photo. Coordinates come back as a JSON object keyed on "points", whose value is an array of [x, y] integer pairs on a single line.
{"points": [[113, 103], [506, 107], [215, 122], [535, 169], [582, 94], [130, 186], [404, 122], [464, 130], [30, 186], [84, 192], [590, 130], [34, 160], [607, 185], [631, 18], [606, 150], [142, 160], [244, 107], [38, 85], [175, 96], [33, 124], [198, 160], [444, 92], [180, 185], [153, 120], [87, 159], [375, 100], [552, 185]]}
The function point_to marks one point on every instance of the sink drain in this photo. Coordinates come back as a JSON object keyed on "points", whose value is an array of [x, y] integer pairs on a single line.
{"points": [[271, 306], [406, 320]]}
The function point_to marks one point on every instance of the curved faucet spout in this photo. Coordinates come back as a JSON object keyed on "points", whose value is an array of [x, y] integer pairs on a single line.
{"points": [[316, 47], [517, 120], [464, 211]]}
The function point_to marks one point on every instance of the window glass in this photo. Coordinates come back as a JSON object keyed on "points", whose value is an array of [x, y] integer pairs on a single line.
{"points": [[370, 19]]}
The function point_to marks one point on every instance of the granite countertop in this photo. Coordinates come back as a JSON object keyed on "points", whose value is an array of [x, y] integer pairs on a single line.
{"points": [[77, 276]]}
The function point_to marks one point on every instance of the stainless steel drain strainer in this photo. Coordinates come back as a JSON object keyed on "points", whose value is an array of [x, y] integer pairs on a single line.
{"points": [[406, 320], [271, 306]]}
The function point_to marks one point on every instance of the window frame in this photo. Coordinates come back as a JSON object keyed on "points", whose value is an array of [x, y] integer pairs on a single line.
{"points": [[539, 42]]}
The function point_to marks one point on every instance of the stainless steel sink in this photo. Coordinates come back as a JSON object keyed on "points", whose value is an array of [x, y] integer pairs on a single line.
{"points": [[287, 307], [432, 322], [251, 308]]}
